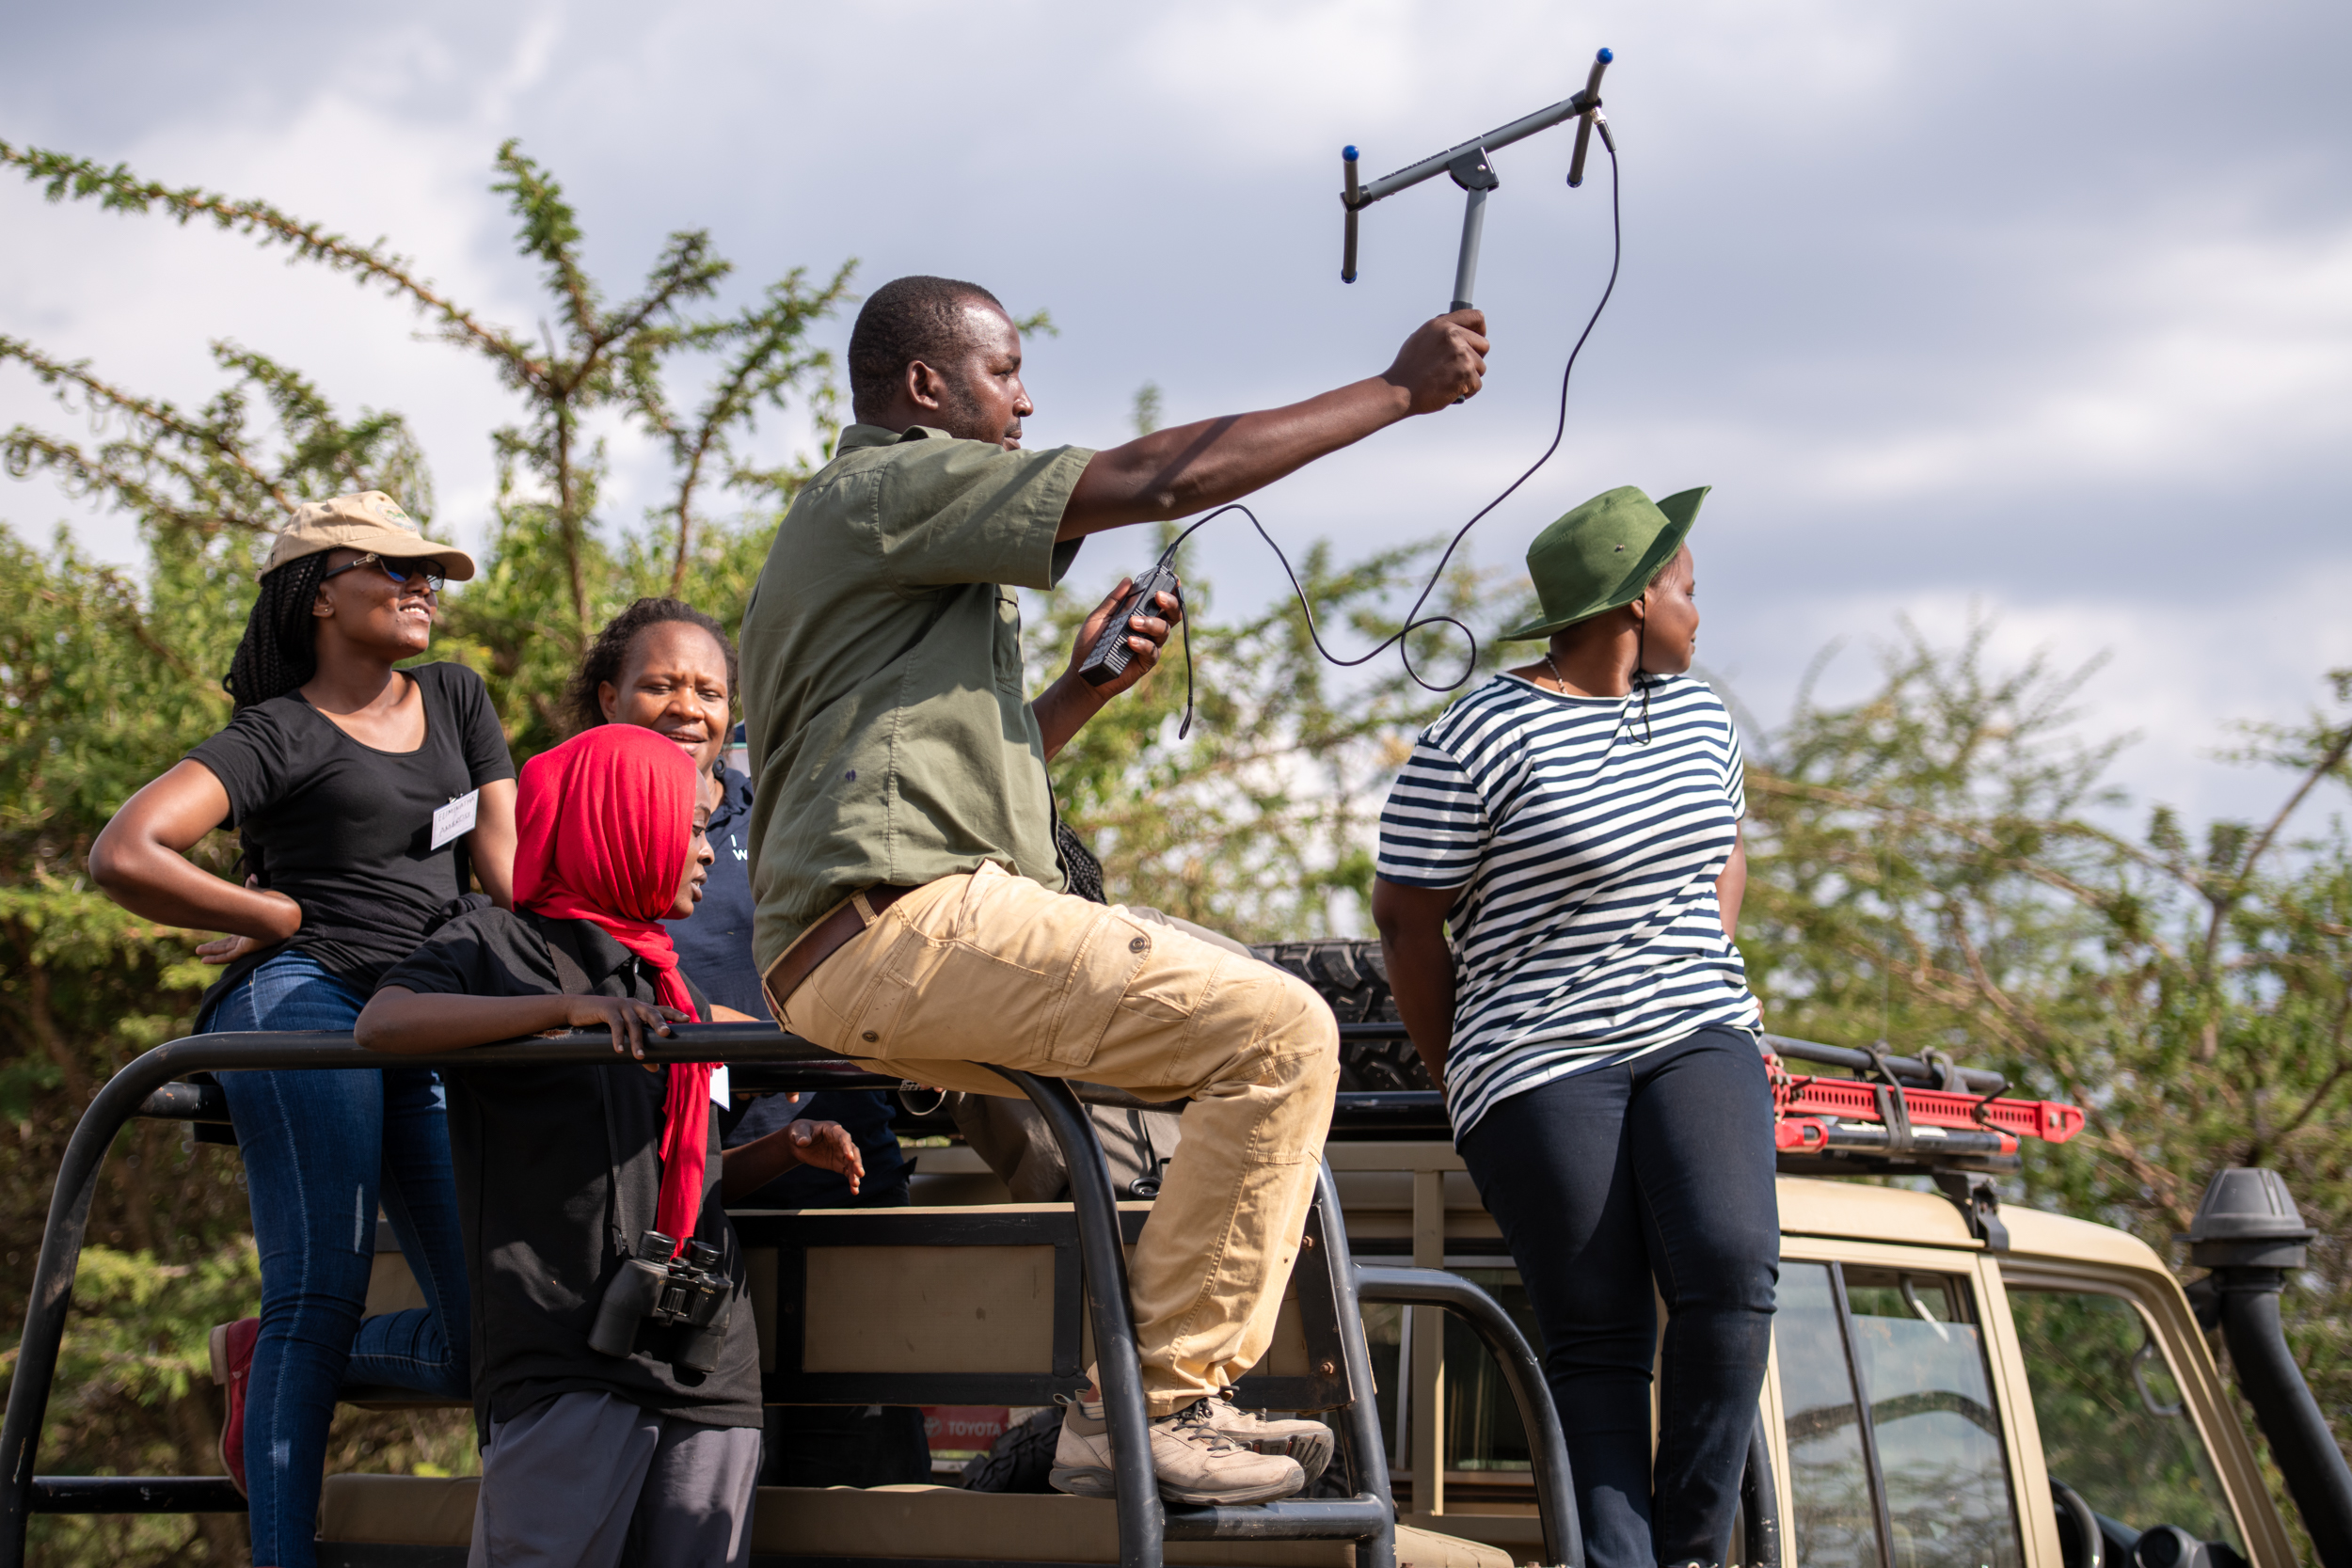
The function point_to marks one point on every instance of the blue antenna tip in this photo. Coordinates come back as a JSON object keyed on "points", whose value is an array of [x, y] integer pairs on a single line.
{"points": [[1349, 152], [1606, 55]]}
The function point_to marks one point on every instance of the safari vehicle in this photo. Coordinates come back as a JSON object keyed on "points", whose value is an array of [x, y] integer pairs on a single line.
{"points": [[1953, 1383]]}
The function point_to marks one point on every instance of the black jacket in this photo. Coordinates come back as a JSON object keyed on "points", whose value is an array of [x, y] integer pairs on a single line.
{"points": [[559, 1171]]}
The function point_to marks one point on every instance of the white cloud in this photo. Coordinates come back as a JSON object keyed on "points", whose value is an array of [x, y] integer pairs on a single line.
{"points": [[2179, 678], [2203, 360], [1898, 279]]}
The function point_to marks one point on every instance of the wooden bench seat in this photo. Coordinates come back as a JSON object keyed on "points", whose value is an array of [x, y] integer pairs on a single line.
{"points": [[978, 1304], [966, 1305], [424, 1522]]}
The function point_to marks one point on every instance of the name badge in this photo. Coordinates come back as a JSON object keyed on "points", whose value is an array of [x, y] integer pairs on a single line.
{"points": [[456, 819], [719, 1095]]}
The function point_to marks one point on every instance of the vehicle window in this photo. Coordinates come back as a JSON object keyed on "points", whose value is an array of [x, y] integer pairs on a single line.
{"points": [[1949, 1503], [1384, 1341], [1931, 1442], [1483, 1430], [2113, 1426], [1832, 1519]]}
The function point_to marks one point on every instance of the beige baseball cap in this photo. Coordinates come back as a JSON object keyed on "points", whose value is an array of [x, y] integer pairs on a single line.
{"points": [[369, 521]]}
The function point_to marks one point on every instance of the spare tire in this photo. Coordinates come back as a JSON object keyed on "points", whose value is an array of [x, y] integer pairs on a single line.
{"points": [[1353, 977]]}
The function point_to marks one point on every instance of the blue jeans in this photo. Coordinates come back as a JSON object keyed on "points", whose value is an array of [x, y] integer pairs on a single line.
{"points": [[1657, 1168], [322, 1151]]}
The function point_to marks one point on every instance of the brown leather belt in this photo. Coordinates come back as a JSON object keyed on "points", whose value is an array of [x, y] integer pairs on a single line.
{"points": [[821, 941]]}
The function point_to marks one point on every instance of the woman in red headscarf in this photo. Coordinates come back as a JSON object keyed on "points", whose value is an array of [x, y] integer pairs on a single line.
{"points": [[566, 1176]]}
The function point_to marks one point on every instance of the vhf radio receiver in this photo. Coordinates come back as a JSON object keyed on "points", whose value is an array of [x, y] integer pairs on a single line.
{"points": [[1110, 656]]}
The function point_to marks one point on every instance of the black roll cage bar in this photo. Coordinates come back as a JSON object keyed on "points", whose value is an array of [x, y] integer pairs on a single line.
{"points": [[147, 1086]]}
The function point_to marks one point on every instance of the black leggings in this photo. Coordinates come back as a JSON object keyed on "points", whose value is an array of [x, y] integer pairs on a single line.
{"points": [[1660, 1168]]}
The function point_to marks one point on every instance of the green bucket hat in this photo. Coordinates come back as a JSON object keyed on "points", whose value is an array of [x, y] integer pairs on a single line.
{"points": [[1603, 554]]}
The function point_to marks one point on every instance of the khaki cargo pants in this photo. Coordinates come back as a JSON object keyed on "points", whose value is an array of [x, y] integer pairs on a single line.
{"points": [[990, 967]]}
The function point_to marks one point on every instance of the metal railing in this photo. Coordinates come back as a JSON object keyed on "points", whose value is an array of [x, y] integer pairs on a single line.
{"points": [[149, 1087]]}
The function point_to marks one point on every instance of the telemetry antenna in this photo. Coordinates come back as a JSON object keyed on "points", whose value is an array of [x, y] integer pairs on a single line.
{"points": [[1470, 170]]}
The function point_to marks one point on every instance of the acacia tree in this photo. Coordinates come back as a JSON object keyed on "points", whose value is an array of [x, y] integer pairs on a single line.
{"points": [[697, 383], [1935, 866], [105, 680]]}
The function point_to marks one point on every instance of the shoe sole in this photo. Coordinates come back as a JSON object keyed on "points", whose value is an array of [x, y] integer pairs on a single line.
{"points": [[1312, 1454], [219, 1347], [1274, 1492], [1082, 1483], [1100, 1483]]}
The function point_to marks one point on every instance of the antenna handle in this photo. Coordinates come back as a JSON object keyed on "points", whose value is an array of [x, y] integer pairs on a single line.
{"points": [[1585, 121], [1350, 198]]}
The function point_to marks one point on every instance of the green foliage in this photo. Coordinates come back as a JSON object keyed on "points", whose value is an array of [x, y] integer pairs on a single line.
{"points": [[555, 573], [1928, 865], [554, 578], [1931, 866], [107, 679]]}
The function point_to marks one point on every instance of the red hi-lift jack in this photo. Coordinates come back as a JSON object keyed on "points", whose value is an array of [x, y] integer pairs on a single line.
{"points": [[1918, 1112], [1811, 1115], [1902, 1116]]}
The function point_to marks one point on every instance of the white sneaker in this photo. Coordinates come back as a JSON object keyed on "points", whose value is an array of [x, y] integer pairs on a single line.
{"points": [[1309, 1442], [1195, 1462]]}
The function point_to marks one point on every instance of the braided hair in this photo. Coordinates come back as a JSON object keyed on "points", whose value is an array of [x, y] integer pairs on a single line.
{"points": [[608, 656], [279, 649]]}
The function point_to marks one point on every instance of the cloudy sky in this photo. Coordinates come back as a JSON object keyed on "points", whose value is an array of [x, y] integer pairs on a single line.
{"points": [[2041, 314]]}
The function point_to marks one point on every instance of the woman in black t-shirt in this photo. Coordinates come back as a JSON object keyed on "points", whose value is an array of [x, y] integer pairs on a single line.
{"points": [[363, 793]]}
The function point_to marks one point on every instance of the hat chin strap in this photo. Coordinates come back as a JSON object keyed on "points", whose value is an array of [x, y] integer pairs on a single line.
{"points": [[1641, 657]]}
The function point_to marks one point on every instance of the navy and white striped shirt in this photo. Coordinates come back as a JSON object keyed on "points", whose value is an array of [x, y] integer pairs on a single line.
{"points": [[1587, 929]]}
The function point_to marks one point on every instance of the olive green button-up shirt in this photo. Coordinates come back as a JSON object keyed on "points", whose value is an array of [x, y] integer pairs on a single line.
{"points": [[882, 688]]}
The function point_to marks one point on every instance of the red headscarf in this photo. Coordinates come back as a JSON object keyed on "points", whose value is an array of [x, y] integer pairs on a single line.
{"points": [[603, 823]]}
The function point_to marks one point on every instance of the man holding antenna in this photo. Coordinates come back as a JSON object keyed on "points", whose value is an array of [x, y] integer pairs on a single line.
{"points": [[910, 911]]}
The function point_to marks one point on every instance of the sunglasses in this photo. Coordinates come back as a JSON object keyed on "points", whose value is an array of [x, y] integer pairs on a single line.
{"points": [[401, 569]]}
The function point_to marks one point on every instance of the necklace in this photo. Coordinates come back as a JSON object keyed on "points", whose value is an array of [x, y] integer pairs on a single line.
{"points": [[1557, 679]]}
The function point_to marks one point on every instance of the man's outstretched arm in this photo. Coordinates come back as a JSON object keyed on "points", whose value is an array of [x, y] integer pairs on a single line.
{"points": [[1191, 468]]}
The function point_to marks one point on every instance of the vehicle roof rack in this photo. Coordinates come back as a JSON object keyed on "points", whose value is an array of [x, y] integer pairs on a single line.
{"points": [[1896, 1116], [1899, 1116]]}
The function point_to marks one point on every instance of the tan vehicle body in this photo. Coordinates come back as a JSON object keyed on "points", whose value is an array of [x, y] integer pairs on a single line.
{"points": [[1414, 1202], [958, 1309], [1419, 1194]]}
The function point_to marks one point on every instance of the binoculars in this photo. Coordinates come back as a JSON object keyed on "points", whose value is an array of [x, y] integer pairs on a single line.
{"points": [[684, 1301]]}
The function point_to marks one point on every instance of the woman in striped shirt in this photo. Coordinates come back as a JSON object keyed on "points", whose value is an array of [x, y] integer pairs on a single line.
{"points": [[1576, 824]]}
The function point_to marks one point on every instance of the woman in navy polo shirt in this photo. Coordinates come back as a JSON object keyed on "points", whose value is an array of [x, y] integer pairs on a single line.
{"points": [[665, 666]]}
